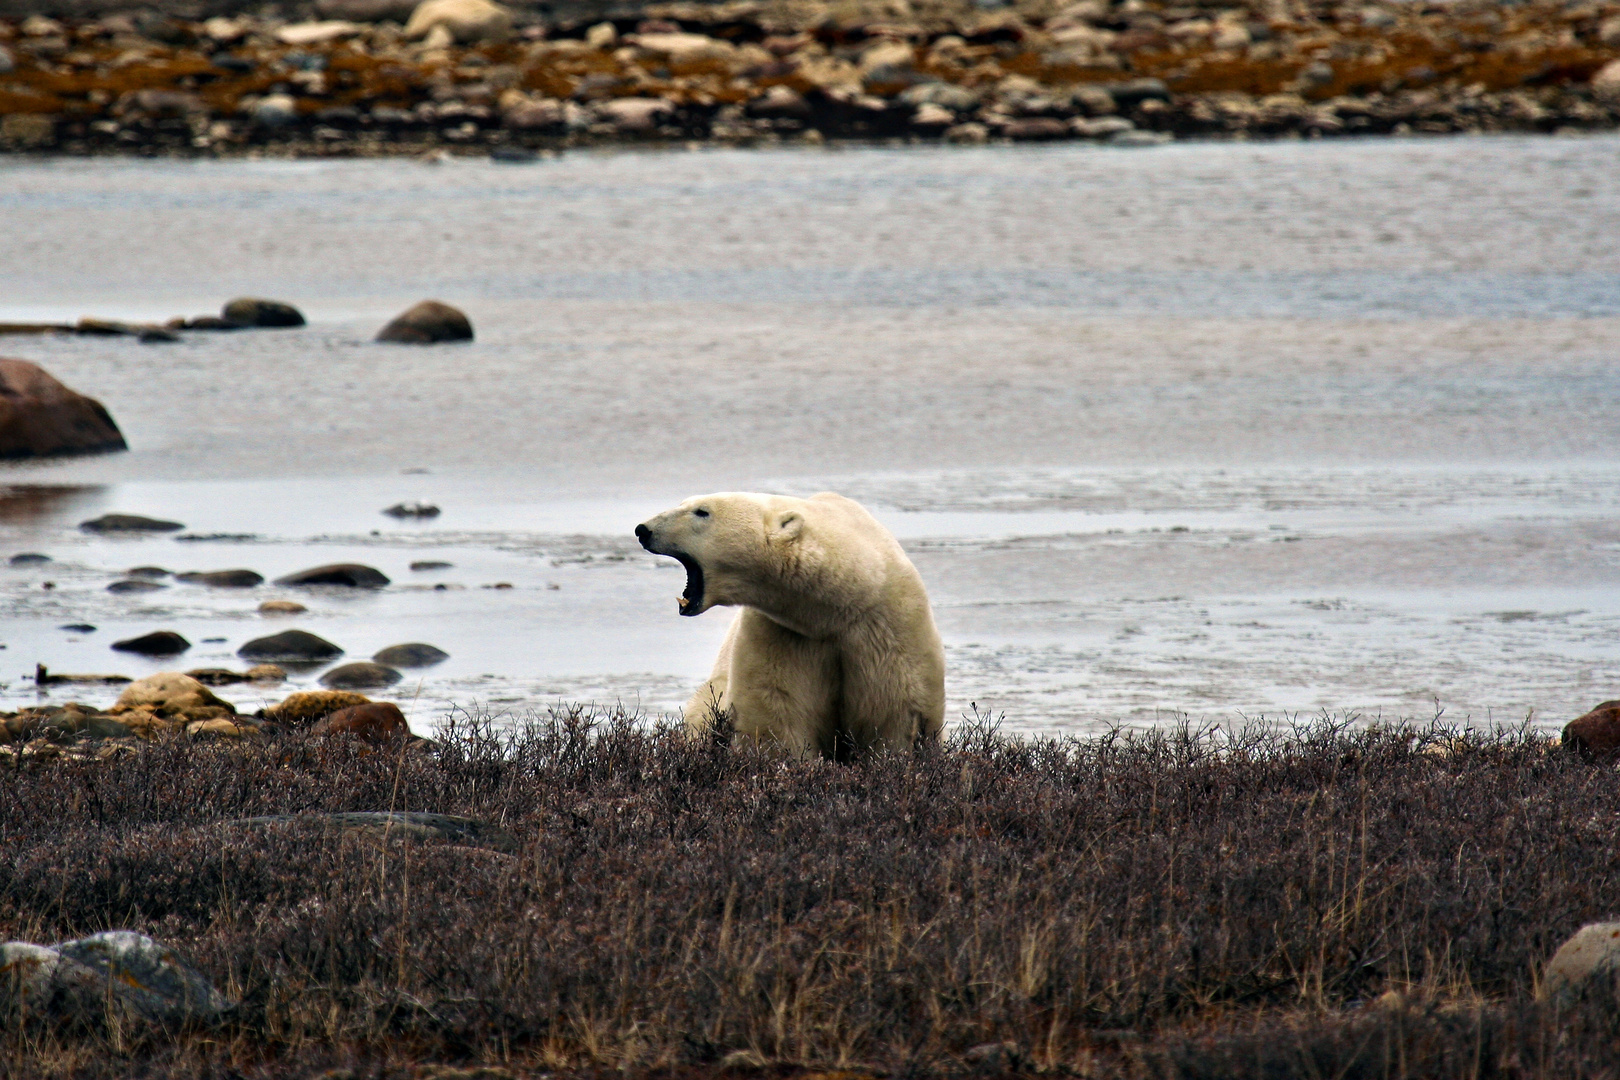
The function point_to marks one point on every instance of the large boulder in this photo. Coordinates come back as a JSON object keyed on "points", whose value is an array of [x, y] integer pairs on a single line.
{"points": [[309, 706], [467, 21], [353, 575], [290, 645], [39, 417], [362, 675], [1588, 960], [1595, 736], [378, 722], [427, 323], [141, 978], [411, 654], [253, 311], [169, 693]]}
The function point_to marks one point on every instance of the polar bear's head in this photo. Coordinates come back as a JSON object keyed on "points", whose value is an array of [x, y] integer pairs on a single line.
{"points": [[803, 562]]}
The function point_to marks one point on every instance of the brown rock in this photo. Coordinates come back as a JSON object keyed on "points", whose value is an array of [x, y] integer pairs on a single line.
{"points": [[1596, 735], [378, 722], [282, 607], [426, 323], [169, 693], [307, 706], [39, 417]]}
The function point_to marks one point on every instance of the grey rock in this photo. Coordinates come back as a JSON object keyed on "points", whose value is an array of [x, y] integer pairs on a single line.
{"points": [[222, 579], [427, 323], [157, 643], [411, 654], [121, 970], [150, 572], [29, 558], [289, 645], [135, 585], [128, 523], [431, 564], [360, 676], [253, 311], [353, 575], [412, 510], [78, 627], [272, 111]]}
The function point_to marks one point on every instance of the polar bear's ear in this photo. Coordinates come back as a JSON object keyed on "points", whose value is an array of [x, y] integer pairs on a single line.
{"points": [[789, 525]]}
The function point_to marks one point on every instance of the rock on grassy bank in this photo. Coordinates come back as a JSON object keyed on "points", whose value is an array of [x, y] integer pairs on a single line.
{"points": [[578, 899], [361, 77]]}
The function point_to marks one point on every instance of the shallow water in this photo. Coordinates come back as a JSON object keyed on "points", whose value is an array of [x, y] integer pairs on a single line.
{"points": [[1217, 429]]}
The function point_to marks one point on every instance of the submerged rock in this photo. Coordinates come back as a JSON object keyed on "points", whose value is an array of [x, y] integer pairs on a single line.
{"points": [[427, 323], [39, 417], [222, 579], [129, 523], [361, 675], [157, 643], [253, 311], [411, 654], [290, 645], [354, 575]]}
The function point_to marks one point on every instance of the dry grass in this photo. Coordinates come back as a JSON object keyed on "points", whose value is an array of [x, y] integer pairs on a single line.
{"points": [[1187, 903]]}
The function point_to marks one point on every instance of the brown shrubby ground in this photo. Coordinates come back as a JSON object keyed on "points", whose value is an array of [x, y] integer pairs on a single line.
{"points": [[1184, 903]]}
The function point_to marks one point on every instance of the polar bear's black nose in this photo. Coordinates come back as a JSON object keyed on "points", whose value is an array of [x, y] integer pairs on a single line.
{"points": [[644, 534]]}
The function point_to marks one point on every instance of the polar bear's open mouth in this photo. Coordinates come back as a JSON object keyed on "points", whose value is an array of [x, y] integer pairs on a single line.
{"points": [[692, 599]]}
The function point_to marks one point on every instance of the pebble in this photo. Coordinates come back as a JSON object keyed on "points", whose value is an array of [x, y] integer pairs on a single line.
{"points": [[352, 575], [427, 323], [134, 585], [411, 654], [157, 643], [282, 607], [431, 564], [360, 676], [289, 645]]}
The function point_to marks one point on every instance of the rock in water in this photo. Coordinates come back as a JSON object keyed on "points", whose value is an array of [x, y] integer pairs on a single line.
{"points": [[1591, 958], [411, 654], [289, 645], [157, 643], [360, 676], [412, 510], [354, 575], [152, 572], [135, 585], [252, 311], [378, 722], [128, 523], [1596, 735], [30, 558], [222, 579], [308, 706], [39, 417], [428, 322], [282, 607]]}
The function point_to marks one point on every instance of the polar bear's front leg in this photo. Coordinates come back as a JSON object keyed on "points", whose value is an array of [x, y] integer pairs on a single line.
{"points": [[710, 706], [783, 687]]}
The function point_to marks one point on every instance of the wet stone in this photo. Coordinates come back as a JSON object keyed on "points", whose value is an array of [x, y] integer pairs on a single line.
{"points": [[222, 579], [282, 607], [78, 628], [353, 575], [135, 585], [427, 323], [146, 572], [290, 645], [431, 564], [29, 558], [411, 654], [157, 643], [253, 311], [360, 676], [128, 523]]}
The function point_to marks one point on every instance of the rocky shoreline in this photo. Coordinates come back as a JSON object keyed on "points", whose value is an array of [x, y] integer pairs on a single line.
{"points": [[375, 77]]}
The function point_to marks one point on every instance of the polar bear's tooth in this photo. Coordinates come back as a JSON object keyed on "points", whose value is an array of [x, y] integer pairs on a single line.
{"points": [[683, 601]]}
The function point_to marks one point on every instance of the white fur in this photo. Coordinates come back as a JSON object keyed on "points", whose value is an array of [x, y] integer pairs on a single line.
{"points": [[835, 648]]}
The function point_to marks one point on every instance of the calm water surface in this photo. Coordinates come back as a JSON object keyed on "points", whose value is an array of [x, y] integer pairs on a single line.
{"points": [[1213, 429]]}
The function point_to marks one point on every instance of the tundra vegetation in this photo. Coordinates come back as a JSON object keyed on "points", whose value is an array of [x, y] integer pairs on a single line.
{"points": [[1331, 899]]}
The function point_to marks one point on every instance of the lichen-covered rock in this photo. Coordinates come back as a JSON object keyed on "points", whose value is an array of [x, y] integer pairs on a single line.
{"points": [[118, 970], [308, 706], [39, 417], [168, 694], [1589, 960]]}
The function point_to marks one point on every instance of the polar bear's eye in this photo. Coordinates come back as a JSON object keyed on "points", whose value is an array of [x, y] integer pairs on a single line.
{"points": [[700, 512]]}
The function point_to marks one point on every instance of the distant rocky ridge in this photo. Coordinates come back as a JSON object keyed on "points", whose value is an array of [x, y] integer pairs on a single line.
{"points": [[367, 77]]}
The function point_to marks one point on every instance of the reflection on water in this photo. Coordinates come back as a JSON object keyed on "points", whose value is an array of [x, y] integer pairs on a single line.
{"points": [[25, 504]]}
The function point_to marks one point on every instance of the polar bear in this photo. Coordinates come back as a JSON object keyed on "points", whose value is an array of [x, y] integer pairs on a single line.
{"points": [[835, 649]]}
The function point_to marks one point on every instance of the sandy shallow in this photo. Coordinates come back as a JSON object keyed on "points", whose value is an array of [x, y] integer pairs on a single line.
{"points": [[1223, 430]]}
